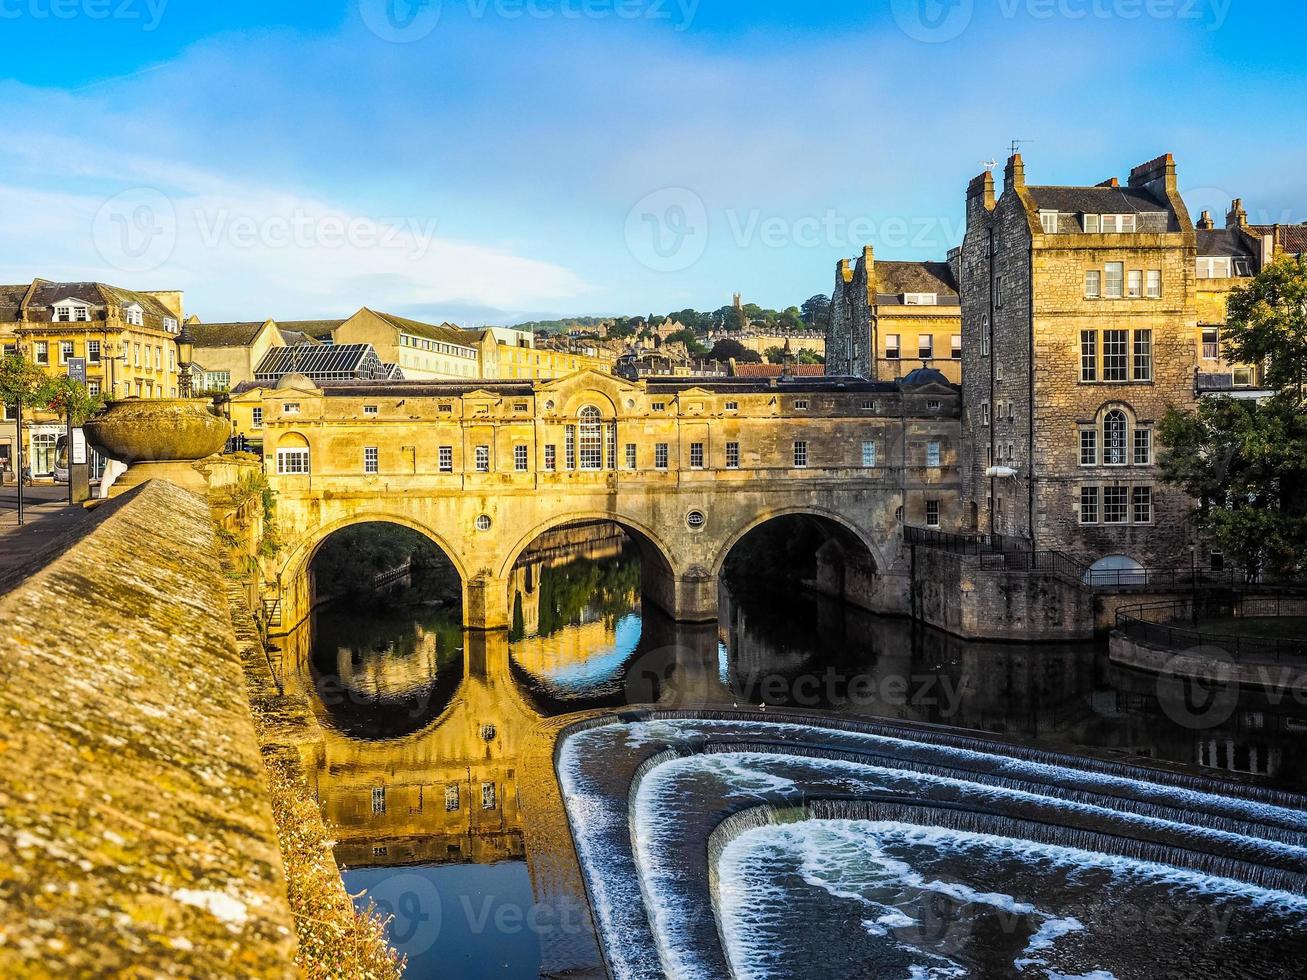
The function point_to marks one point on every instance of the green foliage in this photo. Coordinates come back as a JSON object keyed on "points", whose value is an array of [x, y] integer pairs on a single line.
{"points": [[604, 588], [724, 350], [1267, 324], [22, 382], [691, 342], [1245, 461], [351, 558], [775, 355], [816, 312], [1246, 464], [806, 356]]}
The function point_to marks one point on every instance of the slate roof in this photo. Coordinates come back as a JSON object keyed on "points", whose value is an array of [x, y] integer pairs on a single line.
{"points": [[296, 338], [1096, 200], [225, 334], [317, 329], [893, 279], [1288, 238], [445, 333], [97, 295], [1223, 242]]}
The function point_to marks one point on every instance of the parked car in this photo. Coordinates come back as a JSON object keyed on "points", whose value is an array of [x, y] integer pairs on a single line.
{"points": [[60, 473]]}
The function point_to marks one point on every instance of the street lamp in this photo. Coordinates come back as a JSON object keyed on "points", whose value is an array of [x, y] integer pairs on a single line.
{"points": [[185, 351], [1193, 578]]}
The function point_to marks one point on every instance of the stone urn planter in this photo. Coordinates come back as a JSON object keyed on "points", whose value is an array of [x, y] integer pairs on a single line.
{"points": [[158, 439]]}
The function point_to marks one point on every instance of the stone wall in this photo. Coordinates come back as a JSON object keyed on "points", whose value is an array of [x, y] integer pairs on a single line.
{"points": [[975, 597], [136, 834]]}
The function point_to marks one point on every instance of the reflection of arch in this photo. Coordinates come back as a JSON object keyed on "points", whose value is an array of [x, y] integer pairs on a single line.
{"points": [[803, 511], [651, 545], [302, 557]]}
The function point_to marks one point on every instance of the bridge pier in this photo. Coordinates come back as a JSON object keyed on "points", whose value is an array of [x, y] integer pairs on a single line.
{"points": [[485, 604], [687, 596]]}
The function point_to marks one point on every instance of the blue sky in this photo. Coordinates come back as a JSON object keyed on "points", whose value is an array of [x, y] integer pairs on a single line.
{"points": [[493, 160]]}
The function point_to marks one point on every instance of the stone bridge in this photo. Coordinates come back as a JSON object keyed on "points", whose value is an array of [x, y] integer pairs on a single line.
{"points": [[687, 467]]}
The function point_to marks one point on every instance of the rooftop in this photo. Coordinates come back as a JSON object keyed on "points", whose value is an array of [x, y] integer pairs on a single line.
{"points": [[1096, 200]]}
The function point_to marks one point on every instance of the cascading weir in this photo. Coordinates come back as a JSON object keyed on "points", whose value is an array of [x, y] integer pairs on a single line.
{"points": [[770, 846]]}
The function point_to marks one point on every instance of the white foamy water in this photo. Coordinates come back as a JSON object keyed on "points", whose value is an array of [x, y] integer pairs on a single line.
{"points": [[638, 854], [861, 863]]}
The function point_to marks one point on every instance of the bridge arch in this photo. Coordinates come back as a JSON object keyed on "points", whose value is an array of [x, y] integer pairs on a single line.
{"points": [[803, 510], [660, 577], [295, 590]]}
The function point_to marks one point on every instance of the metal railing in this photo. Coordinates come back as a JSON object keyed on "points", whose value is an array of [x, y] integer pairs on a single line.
{"points": [[1163, 624]]}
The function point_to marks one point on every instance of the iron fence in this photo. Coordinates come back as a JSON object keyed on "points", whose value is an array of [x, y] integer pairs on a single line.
{"points": [[1162, 624]]}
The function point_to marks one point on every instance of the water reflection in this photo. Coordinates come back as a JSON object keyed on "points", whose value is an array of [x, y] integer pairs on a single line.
{"points": [[432, 735]]}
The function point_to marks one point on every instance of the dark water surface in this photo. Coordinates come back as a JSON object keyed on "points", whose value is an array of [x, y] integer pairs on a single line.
{"points": [[423, 772]]}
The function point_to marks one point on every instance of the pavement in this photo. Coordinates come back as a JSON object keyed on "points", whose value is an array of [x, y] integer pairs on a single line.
{"points": [[49, 522]]}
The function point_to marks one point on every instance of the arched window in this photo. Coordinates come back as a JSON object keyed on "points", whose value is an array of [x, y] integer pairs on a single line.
{"points": [[1115, 432], [591, 438]]}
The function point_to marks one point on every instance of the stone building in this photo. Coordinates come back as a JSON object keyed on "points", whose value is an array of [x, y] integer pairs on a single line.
{"points": [[227, 354], [127, 338], [888, 318], [1080, 317]]}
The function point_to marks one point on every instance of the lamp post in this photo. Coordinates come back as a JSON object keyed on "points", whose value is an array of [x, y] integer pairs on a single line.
{"points": [[1193, 580], [185, 351]]}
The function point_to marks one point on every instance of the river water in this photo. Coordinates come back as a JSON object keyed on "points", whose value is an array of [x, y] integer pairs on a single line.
{"points": [[434, 754]]}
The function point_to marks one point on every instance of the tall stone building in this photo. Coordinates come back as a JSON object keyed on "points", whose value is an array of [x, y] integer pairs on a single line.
{"points": [[889, 318], [1080, 318]]}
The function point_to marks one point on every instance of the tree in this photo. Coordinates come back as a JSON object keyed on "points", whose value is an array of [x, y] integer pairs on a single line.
{"points": [[725, 350], [1267, 324], [807, 356], [775, 355], [23, 383], [689, 339], [67, 397], [1245, 461], [816, 312]]}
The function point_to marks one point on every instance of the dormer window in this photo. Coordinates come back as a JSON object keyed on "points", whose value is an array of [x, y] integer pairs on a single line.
{"points": [[1118, 224], [170, 324], [1048, 219], [71, 311], [135, 316], [920, 299]]}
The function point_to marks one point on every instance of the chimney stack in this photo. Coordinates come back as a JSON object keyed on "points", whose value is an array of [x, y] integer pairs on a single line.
{"points": [[1205, 222], [1236, 217], [1014, 175]]}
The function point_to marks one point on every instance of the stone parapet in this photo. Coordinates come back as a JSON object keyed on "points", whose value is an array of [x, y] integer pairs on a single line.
{"points": [[136, 834]]}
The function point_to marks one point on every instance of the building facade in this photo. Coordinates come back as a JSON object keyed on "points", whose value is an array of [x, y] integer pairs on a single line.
{"points": [[888, 318], [1080, 316], [228, 354], [127, 338]]}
